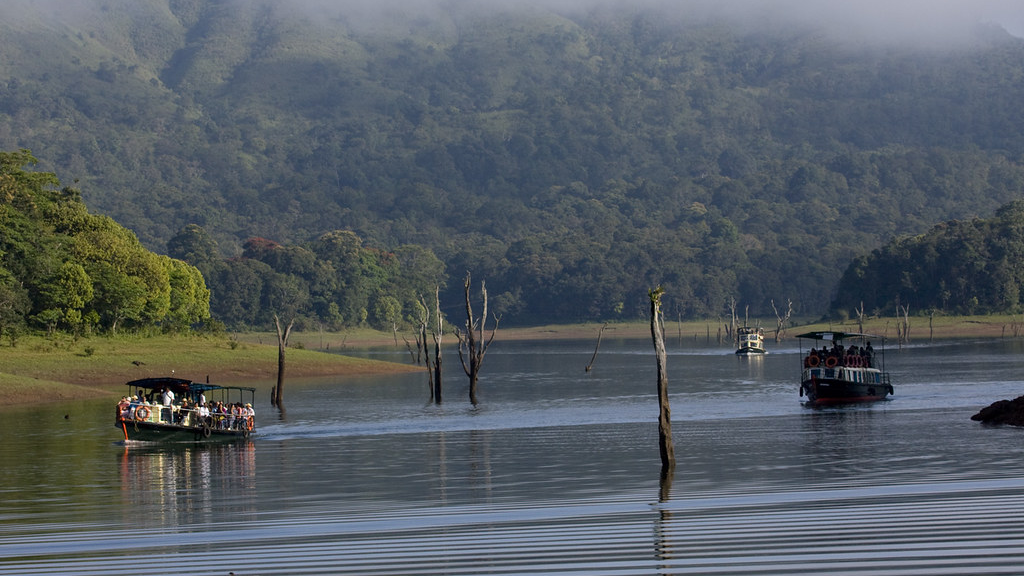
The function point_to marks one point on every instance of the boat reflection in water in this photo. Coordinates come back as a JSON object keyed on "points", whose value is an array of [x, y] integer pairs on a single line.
{"points": [[155, 476]]}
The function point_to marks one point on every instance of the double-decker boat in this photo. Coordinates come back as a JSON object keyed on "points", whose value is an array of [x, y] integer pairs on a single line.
{"points": [[180, 410], [750, 341], [834, 374]]}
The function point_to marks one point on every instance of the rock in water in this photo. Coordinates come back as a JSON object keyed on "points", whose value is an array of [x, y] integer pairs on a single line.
{"points": [[1003, 412]]}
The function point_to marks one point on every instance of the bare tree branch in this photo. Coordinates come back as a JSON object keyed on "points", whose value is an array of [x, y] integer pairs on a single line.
{"points": [[472, 345]]}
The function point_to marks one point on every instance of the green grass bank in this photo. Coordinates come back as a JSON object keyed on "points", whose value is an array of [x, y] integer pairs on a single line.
{"points": [[39, 369]]}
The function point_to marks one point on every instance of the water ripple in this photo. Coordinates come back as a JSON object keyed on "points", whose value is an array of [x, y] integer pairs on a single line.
{"points": [[934, 528]]}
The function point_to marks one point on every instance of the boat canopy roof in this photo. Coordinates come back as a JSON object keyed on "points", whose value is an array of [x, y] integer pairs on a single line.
{"points": [[835, 336], [181, 385]]}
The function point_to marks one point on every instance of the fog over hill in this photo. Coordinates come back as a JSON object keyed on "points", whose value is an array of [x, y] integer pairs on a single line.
{"points": [[932, 21], [572, 153]]}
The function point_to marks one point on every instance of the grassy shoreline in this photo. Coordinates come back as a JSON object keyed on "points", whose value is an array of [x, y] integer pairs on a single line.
{"points": [[39, 369]]}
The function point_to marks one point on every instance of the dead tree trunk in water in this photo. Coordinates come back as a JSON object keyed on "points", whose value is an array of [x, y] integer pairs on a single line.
{"points": [[902, 323], [668, 456], [421, 345], [781, 319], [730, 330], [276, 395], [472, 347], [596, 348], [437, 345]]}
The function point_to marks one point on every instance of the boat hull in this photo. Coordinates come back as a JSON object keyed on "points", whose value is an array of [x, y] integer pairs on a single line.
{"points": [[836, 390], [751, 351], [164, 432]]}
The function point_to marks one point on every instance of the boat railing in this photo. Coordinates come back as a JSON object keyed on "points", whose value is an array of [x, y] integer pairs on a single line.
{"points": [[874, 374], [836, 361], [185, 417]]}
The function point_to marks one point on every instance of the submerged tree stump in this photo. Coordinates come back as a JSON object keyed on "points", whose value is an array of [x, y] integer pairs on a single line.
{"points": [[1009, 412], [665, 445]]}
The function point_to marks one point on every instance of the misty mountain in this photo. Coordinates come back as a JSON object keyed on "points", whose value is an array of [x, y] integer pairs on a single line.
{"points": [[572, 157]]}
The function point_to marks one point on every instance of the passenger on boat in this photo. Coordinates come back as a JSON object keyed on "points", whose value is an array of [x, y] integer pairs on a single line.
{"points": [[182, 412], [232, 416], [167, 399], [219, 415], [124, 408], [812, 360]]}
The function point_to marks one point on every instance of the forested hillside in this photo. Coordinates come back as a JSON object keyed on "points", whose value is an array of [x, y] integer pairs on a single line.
{"points": [[572, 159], [964, 267]]}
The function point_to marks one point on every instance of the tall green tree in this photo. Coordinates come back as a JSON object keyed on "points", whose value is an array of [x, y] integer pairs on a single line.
{"points": [[65, 296], [14, 306], [192, 244], [189, 297]]}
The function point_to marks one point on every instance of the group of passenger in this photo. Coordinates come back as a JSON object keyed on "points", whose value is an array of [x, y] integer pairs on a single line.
{"points": [[195, 413], [854, 356]]}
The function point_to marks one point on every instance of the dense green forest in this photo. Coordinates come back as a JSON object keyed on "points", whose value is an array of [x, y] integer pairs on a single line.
{"points": [[963, 267], [573, 159], [333, 281], [62, 268]]}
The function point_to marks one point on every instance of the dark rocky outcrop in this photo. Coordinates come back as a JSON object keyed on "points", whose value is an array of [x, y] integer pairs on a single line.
{"points": [[1009, 412]]}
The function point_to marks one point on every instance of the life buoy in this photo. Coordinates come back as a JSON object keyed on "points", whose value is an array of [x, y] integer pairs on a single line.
{"points": [[206, 431], [142, 413], [831, 362], [248, 423], [813, 361]]}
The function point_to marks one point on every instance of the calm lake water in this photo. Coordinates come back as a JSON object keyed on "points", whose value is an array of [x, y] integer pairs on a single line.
{"points": [[555, 472]]}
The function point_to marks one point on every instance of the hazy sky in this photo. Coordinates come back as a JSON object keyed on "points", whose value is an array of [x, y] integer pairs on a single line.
{"points": [[930, 19], [919, 20], [935, 21]]}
